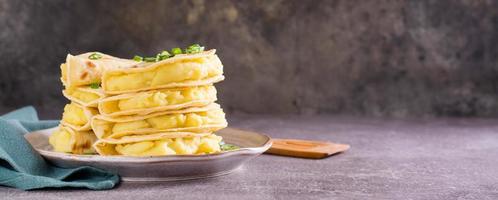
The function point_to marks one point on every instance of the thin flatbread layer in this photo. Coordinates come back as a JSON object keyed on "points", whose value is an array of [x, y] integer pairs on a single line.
{"points": [[84, 95], [106, 147], [184, 70], [144, 103], [68, 140], [87, 112], [106, 127], [80, 70]]}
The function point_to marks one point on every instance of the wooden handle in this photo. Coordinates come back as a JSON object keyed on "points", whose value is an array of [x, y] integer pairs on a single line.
{"points": [[305, 148]]}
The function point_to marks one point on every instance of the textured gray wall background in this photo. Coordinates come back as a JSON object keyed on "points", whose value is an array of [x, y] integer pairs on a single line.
{"points": [[376, 58]]}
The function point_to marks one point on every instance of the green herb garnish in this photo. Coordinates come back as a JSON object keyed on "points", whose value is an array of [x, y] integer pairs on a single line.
{"points": [[95, 85], [228, 147], [95, 56], [163, 55], [150, 59], [195, 48], [176, 51], [138, 58]]}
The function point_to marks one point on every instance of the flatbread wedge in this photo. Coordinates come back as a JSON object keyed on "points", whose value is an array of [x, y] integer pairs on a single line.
{"points": [[160, 144], [144, 103], [184, 70], [78, 117], [81, 70], [67, 140], [195, 119], [84, 95]]}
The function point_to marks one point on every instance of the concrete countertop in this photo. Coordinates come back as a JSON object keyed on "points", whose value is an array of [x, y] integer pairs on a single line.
{"points": [[389, 159]]}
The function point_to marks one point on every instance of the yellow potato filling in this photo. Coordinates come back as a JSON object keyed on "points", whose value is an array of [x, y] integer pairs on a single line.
{"points": [[81, 95], [61, 141], [79, 142], [74, 115], [170, 121], [175, 146], [159, 98], [188, 70]]}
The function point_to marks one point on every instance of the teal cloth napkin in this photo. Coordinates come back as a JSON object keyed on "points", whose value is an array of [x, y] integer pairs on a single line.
{"points": [[22, 167]]}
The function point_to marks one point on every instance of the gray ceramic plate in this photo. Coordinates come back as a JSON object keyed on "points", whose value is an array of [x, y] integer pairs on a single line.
{"points": [[162, 168]]}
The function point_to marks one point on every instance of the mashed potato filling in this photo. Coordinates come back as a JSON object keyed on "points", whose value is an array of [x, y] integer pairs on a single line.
{"points": [[76, 142], [167, 73], [168, 121], [75, 115], [83, 96], [61, 141], [164, 97], [175, 146]]}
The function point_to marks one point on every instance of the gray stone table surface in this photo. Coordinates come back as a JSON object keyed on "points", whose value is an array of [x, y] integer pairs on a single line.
{"points": [[389, 159]]}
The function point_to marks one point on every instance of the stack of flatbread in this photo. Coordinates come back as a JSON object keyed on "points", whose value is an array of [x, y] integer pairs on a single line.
{"points": [[140, 108]]}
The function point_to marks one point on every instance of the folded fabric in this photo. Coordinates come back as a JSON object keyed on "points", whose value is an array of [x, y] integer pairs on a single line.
{"points": [[22, 167]]}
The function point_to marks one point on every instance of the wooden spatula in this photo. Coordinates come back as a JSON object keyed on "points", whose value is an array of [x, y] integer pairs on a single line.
{"points": [[305, 148]]}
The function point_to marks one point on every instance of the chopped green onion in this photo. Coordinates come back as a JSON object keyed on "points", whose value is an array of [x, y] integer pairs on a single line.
{"points": [[228, 147], [95, 85], [95, 56], [163, 55], [195, 48], [138, 58], [176, 51], [150, 59]]}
